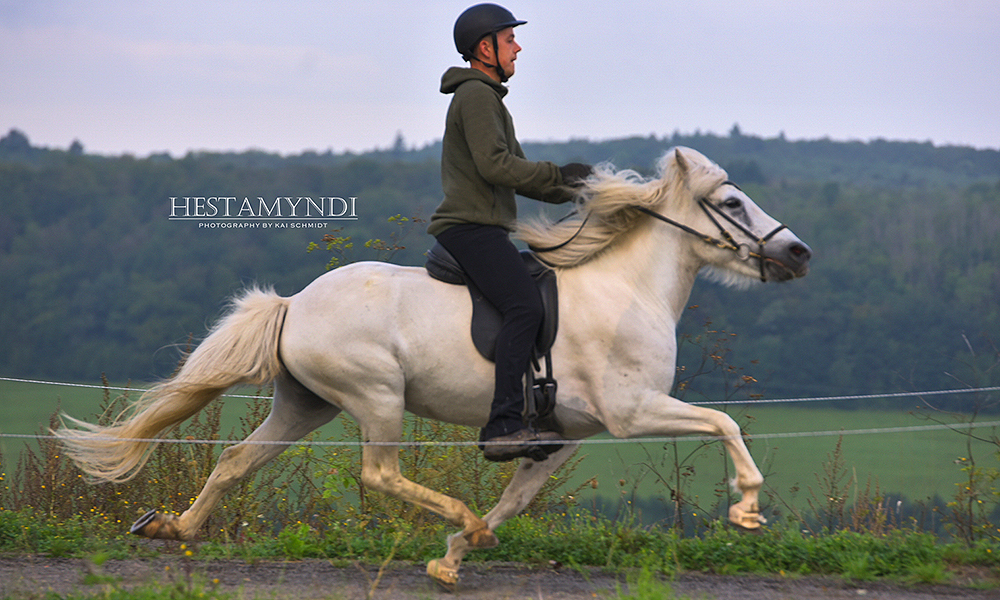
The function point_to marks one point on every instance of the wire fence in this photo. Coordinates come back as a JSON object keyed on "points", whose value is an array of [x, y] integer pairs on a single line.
{"points": [[967, 426]]}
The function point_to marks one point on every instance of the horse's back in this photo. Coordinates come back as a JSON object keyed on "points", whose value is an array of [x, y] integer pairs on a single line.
{"points": [[368, 297], [363, 282]]}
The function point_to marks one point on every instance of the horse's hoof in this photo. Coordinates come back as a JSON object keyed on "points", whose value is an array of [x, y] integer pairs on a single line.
{"points": [[140, 525], [747, 521], [445, 577], [482, 538], [155, 526]]}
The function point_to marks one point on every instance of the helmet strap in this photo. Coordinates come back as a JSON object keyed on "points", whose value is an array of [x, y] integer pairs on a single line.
{"points": [[496, 56]]}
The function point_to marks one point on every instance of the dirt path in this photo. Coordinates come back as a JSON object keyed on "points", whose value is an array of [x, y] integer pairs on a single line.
{"points": [[30, 578]]}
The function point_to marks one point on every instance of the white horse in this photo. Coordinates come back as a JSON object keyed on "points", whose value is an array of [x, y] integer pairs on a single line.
{"points": [[376, 340]]}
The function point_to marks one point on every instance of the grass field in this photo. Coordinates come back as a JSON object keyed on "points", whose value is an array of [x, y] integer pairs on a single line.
{"points": [[915, 464]]}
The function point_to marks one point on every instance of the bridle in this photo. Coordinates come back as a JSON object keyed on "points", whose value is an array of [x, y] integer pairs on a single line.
{"points": [[727, 242], [742, 251]]}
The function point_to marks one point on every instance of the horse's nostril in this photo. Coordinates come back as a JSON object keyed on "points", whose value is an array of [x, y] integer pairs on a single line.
{"points": [[800, 251]]}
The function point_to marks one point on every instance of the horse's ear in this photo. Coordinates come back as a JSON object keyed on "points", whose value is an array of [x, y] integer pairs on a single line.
{"points": [[682, 163]]}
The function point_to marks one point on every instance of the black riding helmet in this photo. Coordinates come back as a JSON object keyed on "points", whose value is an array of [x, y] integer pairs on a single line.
{"points": [[478, 22]]}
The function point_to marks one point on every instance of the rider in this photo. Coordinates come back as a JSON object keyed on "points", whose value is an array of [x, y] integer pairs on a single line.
{"points": [[482, 166]]}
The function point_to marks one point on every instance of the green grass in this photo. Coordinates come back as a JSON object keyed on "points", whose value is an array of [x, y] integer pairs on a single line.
{"points": [[918, 464]]}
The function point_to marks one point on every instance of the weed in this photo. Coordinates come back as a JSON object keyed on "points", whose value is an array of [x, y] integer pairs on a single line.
{"points": [[340, 246], [297, 542], [929, 573], [870, 512], [829, 502], [645, 585], [857, 566]]}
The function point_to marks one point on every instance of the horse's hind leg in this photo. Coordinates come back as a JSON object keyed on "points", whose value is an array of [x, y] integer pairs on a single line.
{"points": [[380, 471], [295, 412], [522, 489]]}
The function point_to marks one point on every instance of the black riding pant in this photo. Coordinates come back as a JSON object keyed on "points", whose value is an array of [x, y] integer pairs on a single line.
{"points": [[495, 266]]}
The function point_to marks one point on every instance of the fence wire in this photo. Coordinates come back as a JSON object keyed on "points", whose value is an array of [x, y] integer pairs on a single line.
{"points": [[968, 426]]}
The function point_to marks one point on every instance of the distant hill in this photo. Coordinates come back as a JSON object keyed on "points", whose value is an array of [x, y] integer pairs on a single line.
{"points": [[95, 278]]}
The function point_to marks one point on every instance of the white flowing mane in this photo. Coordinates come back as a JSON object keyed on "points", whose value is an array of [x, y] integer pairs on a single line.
{"points": [[608, 201]]}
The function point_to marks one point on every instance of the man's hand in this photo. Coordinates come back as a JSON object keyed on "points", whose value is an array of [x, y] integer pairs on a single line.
{"points": [[573, 174]]}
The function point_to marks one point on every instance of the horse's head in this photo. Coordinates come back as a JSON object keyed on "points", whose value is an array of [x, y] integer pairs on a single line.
{"points": [[737, 241], [729, 235]]}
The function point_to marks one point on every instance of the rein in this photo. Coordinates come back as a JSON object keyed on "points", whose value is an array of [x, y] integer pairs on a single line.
{"points": [[573, 237]]}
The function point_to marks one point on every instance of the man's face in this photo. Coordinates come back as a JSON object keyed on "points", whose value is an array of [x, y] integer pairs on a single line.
{"points": [[507, 50]]}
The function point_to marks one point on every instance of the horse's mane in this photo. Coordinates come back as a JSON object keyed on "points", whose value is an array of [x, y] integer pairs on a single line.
{"points": [[607, 205]]}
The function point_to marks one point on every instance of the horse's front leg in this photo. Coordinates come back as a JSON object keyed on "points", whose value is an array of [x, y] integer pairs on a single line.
{"points": [[663, 415]]}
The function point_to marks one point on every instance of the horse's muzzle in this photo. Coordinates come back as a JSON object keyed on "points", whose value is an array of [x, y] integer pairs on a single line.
{"points": [[788, 262]]}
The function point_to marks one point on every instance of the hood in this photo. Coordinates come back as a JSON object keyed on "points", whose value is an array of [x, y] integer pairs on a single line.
{"points": [[456, 76]]}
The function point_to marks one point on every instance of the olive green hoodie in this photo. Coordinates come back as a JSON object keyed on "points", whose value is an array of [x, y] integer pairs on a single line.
{"points": [[482, 164]]}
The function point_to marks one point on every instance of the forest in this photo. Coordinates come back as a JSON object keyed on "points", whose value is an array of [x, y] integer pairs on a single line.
{"points": [[97, 279]]}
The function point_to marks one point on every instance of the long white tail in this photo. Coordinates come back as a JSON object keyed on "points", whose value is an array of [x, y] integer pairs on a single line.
{"points": [[242, 348]]}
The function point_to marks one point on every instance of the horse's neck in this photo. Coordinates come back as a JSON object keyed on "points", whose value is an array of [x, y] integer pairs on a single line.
{"points": [[651, 268]]}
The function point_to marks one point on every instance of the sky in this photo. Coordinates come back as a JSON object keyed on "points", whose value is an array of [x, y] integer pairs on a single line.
{"points": [[301, 75]]}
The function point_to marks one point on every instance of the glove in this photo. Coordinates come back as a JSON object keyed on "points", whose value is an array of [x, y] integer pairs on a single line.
{"points": [[573, 174]]}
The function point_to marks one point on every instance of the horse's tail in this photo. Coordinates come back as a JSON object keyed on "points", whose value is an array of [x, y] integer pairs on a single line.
{"points": [[242, 348]]}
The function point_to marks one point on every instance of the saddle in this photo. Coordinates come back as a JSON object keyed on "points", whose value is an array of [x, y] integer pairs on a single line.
{"points": [[540, 392]]}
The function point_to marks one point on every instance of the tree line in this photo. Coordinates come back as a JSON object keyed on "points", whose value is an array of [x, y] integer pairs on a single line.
{"points": [[95, 278]]}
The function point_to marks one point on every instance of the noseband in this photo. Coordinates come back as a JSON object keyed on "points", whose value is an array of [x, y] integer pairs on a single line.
{"points": [[743, 251]]}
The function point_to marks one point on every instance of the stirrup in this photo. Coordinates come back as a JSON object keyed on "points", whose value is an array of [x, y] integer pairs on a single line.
{"points": [[540, 397]]}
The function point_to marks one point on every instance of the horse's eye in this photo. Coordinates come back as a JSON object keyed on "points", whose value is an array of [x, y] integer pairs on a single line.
{"points": [[732, 203]]}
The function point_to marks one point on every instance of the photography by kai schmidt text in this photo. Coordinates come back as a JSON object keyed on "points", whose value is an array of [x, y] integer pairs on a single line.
{"points": [[244, 212]]}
